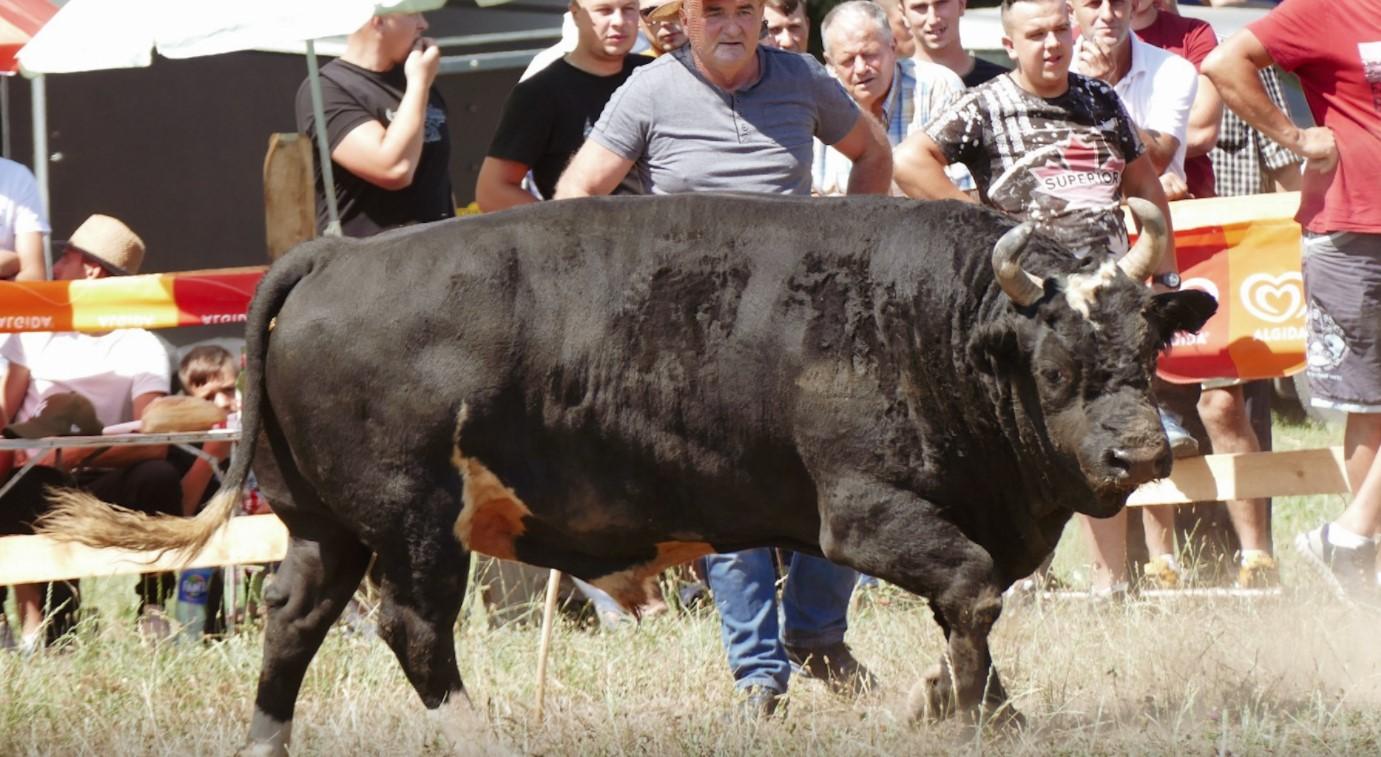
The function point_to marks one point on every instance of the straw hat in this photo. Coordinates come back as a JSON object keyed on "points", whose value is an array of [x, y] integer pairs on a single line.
{"points": [[109, 242], [659, 10], [65, 414], [180, 413]]}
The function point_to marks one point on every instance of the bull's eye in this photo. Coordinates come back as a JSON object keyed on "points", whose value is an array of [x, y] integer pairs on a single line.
{"points": [[1054, 376]]}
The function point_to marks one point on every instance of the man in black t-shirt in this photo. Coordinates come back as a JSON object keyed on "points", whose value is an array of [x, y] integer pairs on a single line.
{"points": [[386, 125], [547, 117]]}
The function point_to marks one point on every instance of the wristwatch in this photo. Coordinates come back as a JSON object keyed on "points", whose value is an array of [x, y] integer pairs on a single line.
{"points": [[1169, 280]]}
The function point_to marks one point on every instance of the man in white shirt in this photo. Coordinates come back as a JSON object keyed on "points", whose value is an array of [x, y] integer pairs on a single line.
{"points": [[118, 373], [22, 224], [1157, 88]]}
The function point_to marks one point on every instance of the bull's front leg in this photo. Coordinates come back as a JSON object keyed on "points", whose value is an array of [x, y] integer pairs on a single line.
{"points": [[900, 537]]}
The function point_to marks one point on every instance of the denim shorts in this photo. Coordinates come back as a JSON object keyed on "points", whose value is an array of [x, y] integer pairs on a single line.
{"points": [[1342, 279]]}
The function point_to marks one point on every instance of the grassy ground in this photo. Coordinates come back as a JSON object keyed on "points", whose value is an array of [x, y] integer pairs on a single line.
{"points": [[1291, 674]]}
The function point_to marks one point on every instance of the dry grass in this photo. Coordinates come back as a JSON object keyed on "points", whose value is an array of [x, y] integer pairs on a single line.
{"points": [[1293, 674]]}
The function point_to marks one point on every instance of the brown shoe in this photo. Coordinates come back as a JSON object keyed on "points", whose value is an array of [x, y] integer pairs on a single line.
{"points": [[835, 665]]}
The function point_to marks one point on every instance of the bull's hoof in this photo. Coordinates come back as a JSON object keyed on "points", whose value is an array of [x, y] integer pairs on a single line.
{"points": [[263, 749], [931, 699], [1000, 717]]}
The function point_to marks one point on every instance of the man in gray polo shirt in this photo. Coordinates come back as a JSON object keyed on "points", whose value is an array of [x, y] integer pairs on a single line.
{"points": [[724, 114]]}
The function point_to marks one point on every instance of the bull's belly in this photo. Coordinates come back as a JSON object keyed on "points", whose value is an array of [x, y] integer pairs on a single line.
{"points": [[618, 523]]}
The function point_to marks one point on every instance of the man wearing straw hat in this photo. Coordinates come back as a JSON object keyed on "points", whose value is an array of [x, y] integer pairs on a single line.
{"points": [[68, 383]]}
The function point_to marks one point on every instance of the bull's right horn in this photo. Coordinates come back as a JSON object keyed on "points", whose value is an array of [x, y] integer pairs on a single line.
{"points": [[1145, 255], [1022, 287]]}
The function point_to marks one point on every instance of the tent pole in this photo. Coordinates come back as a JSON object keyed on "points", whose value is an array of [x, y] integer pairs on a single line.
{"points": [[38, 93], [328, 177], [5, 116]]}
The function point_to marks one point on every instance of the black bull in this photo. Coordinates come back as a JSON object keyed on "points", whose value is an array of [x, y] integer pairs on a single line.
{"points": [[612, 386]]}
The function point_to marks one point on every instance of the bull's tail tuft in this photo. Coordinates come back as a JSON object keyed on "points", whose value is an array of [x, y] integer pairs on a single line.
{"points": [[78, 516], [75, 515]]}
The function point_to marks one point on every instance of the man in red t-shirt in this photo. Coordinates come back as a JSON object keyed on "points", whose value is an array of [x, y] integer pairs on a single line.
{"points": [[1335, 50], [1193, 39]]}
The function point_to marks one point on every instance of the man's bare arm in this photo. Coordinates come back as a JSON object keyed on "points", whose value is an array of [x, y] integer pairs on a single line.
{"points": [[388, 157], [500, 185], [1205, 115], [919, 170], [595, 170], [1160, 148], [867, 146], [1232, 67]]}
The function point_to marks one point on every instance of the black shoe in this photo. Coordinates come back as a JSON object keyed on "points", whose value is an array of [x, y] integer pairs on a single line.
{"points": [[758, 703], [835, 666]]}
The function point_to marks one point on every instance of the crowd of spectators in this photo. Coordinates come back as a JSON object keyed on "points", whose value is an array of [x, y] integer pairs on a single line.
{"points": [[1111, 99]]}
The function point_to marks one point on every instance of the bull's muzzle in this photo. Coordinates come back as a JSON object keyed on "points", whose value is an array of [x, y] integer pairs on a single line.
{"points": [[1136, 465]]}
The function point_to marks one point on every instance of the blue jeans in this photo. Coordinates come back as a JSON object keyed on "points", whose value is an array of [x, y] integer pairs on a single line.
{"points": [[814, 607]]}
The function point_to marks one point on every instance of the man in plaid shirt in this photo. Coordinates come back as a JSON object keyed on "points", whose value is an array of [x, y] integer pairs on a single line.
{"points": [[1247, 162]]}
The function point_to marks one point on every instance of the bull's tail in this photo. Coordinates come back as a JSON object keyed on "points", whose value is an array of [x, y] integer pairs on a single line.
{"points": [[78, 516]]}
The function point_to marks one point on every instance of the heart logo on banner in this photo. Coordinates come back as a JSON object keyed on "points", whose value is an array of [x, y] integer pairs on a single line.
{"points": [[1274, 298]]}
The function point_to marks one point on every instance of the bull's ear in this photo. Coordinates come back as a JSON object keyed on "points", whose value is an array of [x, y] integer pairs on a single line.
{"points": [[1187, 310], [995, 346]]}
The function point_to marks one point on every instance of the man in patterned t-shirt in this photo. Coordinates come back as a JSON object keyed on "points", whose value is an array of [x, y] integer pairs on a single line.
{"points": [[1043, 144]]}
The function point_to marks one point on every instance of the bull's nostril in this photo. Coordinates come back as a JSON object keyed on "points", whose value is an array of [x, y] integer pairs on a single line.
{"points": [[1163, 464], [1118, 460]]}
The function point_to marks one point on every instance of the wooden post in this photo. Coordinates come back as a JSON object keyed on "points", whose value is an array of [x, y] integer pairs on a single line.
{"points": [[289, 193], [548, 618]]}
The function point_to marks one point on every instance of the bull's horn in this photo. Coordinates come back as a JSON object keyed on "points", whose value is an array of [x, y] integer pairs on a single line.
{"points": [[1145, 256], [1023, 288]]}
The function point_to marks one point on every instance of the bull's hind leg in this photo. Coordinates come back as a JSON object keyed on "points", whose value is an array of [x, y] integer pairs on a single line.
{"points": [[316, 579], [422, 576], [900, 537]]}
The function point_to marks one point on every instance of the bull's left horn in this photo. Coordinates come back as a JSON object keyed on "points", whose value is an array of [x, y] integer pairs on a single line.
{"points": [[1153, 243], [1022, 287]]}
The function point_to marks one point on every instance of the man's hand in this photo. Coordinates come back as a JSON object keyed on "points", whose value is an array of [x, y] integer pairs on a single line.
{"points": [[423, 62], [1319, 149], [1095, 61], [218, 450], [1173, 186]]}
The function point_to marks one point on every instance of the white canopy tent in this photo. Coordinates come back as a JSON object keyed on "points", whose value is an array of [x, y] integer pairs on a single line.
{"points": [[93, 35]]}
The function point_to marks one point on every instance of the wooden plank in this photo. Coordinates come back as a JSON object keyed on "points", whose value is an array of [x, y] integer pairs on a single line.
{"points": [[1246, 476], [263, 538], [289, 193], [30, 559]]}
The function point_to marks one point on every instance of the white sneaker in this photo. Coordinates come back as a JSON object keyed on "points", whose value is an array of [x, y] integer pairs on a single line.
{"points": [[1351, 573]]}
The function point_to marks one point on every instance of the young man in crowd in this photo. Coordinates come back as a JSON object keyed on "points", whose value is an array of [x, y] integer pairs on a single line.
{"points": [[1029, 136], [1044, 144], [1335, 50], [385, 127], [547, 117], [902, 94], [935, 25], [1158, 90], [114, 377], [697, 141], [786, 25]]}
